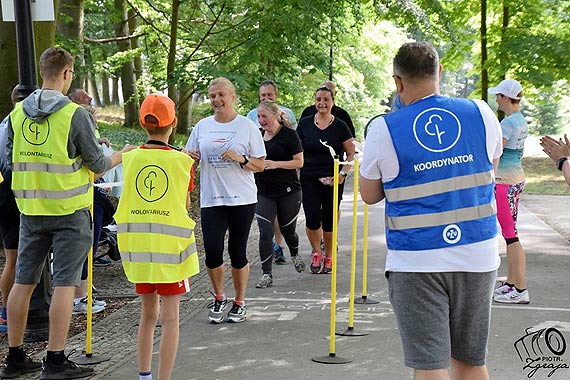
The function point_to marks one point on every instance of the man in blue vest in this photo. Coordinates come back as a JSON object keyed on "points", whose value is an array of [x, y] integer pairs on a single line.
{"points": [[433, 161], [52, 147]]}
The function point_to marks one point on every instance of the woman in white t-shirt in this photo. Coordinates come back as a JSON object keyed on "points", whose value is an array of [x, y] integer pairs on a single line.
{"points": [[230, 149]]}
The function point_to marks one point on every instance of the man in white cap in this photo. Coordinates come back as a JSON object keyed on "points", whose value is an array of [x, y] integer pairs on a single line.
{"points": [[510, 181]]}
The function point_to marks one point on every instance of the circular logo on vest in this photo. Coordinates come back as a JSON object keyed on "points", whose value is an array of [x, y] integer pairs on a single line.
{"points": [[437, 129], [451, 234], [151, 183], [34, 133]]}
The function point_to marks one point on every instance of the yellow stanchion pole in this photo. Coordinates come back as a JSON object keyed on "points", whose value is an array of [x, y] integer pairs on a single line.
{"points": [[331, 358], [89, 358], [350, 330], [364, 298]]}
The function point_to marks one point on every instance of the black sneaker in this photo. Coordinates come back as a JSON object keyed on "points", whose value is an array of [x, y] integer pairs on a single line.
{"points": [[237, 314], [11, 369], [66, 370]]}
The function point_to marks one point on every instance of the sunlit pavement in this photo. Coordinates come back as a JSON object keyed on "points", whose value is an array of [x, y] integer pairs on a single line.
{"points": [[289, 323]]}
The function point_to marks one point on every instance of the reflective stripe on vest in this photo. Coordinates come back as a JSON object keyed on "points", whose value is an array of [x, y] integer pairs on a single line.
{"points": [[45, 167], [449, 202], [45, 180], [438, 187], [155, 228], [441, 218], [159, 258], [50, 194], [155, 234]]}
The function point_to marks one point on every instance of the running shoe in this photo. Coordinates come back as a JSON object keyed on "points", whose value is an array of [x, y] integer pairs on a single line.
{"points": [[327, 268], [81, 306], [278, 255], [217, 310], [65, 370], [503, 289], [237, 314], [316, 262], [513, 297], [264, 281], [298, 263], [12, 369]]}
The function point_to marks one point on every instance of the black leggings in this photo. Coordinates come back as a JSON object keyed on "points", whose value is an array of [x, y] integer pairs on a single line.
{"points": [[236, 220], [287, 210], [318, 203]]}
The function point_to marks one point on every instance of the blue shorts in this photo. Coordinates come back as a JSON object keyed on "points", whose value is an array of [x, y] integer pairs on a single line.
{"points": [[70, 236]]}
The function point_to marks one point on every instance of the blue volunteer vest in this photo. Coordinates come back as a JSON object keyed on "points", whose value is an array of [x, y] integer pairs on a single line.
{"points": [[443, 195]]}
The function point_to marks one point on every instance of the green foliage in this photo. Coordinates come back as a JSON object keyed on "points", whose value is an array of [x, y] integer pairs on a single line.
{"points": [[544, 112]]}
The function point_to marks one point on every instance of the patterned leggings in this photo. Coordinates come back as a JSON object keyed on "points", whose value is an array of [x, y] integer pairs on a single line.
{"points": [[508, 207]]}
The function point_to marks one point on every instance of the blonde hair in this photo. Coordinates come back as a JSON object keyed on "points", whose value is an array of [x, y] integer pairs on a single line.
{"points": [[225, 82], [275, 110]]}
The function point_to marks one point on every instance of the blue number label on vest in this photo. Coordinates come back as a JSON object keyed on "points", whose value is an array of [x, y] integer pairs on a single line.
{"points": [[437, 129], [451, 234]]}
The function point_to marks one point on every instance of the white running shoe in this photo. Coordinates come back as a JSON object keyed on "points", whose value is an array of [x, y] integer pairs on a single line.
{"points": [[503, 289], [513, 297]]}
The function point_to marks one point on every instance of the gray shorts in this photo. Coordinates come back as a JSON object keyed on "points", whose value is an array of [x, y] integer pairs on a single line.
{"points": [[442, 316], [69, 235]]}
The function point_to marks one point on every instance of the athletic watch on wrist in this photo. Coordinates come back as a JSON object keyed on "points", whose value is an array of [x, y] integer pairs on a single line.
{"points": [[561, 162], [245, 161], [343, 173]]}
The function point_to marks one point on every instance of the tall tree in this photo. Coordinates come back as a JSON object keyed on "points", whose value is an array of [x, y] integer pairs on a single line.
{"points": [[44, 36], [70, 33], [128, 81]]}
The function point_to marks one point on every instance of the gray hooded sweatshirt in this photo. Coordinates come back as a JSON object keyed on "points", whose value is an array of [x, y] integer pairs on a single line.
{"points": [[40, 104]]}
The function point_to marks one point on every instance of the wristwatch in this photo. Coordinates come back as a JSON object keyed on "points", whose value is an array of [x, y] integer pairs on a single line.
{"points": [[245, 161], [343, 173], [561, 162]]}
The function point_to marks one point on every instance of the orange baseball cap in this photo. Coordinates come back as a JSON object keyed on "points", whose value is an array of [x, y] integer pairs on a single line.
{"points": [[161, 107]]}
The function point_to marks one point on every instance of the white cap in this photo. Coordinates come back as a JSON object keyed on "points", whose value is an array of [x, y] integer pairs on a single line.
{"points": [[509, 87]]}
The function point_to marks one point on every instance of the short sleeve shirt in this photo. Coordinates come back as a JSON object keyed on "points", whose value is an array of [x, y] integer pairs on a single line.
{"points": [[276, 183], [226, 183]]}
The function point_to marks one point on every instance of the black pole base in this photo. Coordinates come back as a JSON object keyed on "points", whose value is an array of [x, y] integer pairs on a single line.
{"points": [[364, 300], [331, 359], [90, 359], [350, 331]]}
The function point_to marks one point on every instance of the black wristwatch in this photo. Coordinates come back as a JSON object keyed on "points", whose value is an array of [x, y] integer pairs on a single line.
{"points": [[343, 173], [246, 160], [561, 162]]}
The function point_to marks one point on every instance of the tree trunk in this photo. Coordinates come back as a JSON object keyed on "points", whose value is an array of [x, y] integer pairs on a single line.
{"points": [[44, 35], [132, 17], [71, 27], [94, 90], [128, 81], [172, 90], [484, 72], [184, 104], [105, 89], [115, 100]]}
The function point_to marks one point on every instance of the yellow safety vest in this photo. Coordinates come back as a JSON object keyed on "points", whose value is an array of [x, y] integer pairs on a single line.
{"points": [[155, 233], [45, 181]]}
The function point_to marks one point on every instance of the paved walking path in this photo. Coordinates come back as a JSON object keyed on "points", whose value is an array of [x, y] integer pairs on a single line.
{"points": [[289, 323]]}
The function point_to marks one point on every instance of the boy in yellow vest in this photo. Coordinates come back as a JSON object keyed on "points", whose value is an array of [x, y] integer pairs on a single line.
{"points": [[155, 233]]}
